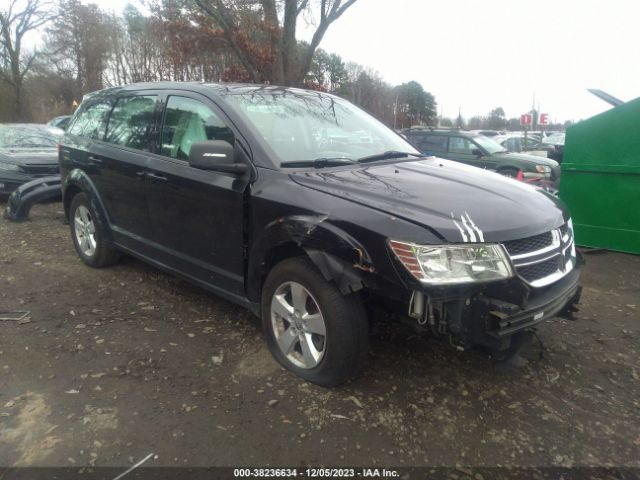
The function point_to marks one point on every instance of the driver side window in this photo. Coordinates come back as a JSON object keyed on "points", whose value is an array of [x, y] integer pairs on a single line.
{"points": [[188, 121]]}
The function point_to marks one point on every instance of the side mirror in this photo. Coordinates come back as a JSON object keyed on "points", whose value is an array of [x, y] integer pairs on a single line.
{"points": [[216, 155], [477, 152]]}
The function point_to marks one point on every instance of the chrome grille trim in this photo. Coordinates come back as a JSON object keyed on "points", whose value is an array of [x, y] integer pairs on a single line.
{"points": [[562, 241]]}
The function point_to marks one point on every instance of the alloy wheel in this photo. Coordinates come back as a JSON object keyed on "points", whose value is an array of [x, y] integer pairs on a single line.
{"points": [[85, 230], [298, 325]]}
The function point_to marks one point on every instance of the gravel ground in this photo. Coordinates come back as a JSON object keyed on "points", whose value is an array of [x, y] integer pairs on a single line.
{"points": [[117, 363]]}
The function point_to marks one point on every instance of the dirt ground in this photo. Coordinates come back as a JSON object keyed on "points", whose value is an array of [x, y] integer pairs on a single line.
{"points": [[118, 363]]}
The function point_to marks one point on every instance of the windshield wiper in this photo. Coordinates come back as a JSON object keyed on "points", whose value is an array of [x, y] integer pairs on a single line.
{"points": [[317, 163], [389, 155]]}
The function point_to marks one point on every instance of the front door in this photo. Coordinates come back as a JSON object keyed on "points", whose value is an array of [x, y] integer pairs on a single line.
{"points": [[461, 149], [197, 216]]}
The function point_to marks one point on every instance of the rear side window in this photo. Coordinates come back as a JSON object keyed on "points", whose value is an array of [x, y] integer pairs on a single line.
{"points": [[131, 121], [91, 120], [433, 143], [188, 121]]}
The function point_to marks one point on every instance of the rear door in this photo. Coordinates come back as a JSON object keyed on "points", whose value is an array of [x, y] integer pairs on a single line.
{"points": [[197, 216], [121, 158], [433, 144]]}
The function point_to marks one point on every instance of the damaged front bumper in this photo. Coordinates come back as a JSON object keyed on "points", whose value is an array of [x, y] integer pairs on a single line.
{"points": [[490, 316], [28, 194]]}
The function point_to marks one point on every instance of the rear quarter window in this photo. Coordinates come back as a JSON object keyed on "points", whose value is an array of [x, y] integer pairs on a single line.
{"points": [[91, 120]]}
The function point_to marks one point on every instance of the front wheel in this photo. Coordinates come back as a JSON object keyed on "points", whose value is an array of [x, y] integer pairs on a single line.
{"points": [[311, 328]]}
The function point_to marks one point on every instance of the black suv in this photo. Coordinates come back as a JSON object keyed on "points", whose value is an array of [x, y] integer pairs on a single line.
{"points": [[313, 215]]}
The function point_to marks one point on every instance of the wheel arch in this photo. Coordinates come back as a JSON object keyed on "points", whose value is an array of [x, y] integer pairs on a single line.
{"points": [[337, 255], [77, 182]]}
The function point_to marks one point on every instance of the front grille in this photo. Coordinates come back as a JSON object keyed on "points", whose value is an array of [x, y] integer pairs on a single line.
{"points": [[540, 259], [534, 272], [530, 244], [40, 169]]}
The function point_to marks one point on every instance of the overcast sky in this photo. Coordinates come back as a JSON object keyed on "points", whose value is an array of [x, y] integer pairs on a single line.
{"points": [[478, 55]]}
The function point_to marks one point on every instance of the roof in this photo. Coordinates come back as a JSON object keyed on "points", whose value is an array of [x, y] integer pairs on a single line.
{"points": [[219, 89]]}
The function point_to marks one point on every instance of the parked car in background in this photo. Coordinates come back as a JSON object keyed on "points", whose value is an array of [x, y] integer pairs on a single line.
{"points": [[27, 151], [517, 143], [483, 152], [236, 188], [555, 143], [60, 122], [486, 133]]}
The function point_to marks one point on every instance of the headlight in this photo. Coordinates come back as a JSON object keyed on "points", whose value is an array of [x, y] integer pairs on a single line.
{"points": [[450, 264], [543, 169]]}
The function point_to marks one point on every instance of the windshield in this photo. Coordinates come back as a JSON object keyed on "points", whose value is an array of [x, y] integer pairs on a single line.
{"points": [[489, 145], [306, 126], [29, 136]]}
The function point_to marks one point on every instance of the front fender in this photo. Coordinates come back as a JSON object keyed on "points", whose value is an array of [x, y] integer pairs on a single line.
{"points": [[78, 181], [337, 254]]}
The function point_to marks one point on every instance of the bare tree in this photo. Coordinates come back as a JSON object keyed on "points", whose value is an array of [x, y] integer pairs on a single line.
{"points": [[264, 41], [18, 19], [78, 44]]}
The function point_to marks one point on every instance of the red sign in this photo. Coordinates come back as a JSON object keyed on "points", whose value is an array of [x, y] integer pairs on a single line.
{"points": [[543, 119], [526, 119]]}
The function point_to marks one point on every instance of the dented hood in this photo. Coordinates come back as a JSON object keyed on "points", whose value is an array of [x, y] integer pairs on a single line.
{"points": [[457, 202]]}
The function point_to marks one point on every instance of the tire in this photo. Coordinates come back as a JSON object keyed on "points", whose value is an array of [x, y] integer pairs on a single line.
{"points": [[331, 359], [88, 234]]}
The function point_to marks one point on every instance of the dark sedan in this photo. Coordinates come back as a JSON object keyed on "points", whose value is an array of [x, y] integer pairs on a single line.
{"points": [[27, 151]]}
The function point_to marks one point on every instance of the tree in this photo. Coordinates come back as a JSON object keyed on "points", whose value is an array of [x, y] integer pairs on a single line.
{"points": [[497, 120], [78, 44], [414, 106], [264, 39], [18, 19], [446, 122]]}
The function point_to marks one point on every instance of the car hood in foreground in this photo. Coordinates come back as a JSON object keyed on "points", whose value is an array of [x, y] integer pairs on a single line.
{"points": [[27, 156], [457, 202]]}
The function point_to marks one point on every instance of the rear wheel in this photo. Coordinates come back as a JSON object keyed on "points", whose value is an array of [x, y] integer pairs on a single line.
{"points": [[310, 327], [88, 234]]}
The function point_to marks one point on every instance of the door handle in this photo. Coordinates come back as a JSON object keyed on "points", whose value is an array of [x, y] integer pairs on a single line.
{"points": [[154, 176], [94, 160]]}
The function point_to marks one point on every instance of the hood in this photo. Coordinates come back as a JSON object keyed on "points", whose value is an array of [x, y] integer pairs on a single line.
{"points": [[525, 157], [457, 202], [29, 156]]}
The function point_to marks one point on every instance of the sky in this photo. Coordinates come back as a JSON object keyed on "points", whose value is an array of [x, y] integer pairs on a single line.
{"points": [[476, 55]]}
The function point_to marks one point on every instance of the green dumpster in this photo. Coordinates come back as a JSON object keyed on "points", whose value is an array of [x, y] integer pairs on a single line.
{"points": [[601, 179]]}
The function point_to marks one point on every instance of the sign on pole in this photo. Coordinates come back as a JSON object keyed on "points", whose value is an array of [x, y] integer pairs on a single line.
{"points": [[543, 119], [526, 120]]}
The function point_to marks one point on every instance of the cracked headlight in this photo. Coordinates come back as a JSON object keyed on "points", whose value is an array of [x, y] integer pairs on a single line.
{"points": [[451, 264]]}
